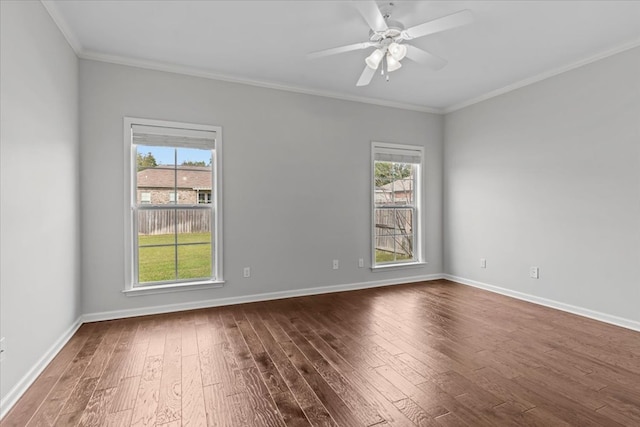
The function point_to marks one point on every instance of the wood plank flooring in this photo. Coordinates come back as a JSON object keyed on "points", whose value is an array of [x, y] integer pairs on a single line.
{"points": [[425, 354]]}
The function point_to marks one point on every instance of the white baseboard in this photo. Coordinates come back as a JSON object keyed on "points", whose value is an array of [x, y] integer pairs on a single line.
{"points": [[580, 311], [120, 314], [18, 390]]}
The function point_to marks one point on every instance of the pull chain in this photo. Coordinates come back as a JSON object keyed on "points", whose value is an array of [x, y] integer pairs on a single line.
{"points": [[384, 64], [382, 67]]}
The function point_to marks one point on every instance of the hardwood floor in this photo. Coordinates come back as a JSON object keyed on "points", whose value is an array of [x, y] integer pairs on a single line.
{"points": [[435, 353]]}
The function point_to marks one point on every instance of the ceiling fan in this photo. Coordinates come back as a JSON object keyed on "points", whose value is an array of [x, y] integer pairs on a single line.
{"points": [[388, 38]]}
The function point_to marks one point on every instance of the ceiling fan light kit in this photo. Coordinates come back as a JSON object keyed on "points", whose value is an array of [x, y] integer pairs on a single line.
{"points": [[392, 63], [373, 60], [388, 36], [397, 51]]}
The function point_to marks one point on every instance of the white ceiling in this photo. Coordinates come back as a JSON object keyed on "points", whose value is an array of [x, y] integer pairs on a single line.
{"points": [[266, 43]]}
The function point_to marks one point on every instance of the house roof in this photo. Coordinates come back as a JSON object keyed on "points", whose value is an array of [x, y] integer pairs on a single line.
{"points": [[404, 184], [191, 177]]}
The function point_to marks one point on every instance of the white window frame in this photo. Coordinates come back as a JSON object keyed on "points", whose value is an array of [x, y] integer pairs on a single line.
{"points": [[131, 262], [418, 241]]}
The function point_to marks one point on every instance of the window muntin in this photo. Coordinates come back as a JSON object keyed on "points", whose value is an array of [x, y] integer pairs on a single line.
{"points": [[396, 204], [174, 237]]}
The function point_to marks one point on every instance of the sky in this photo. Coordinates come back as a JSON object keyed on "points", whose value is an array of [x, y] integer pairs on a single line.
{"points": [[166, 155]]}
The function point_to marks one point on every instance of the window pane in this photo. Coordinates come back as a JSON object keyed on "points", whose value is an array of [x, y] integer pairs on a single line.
{"points": [[148, 156], [394, 183], [156, 227], [194, 261], [383, 230], [404, 247], [156, 175], [384, 256], [156, 264], [194, 225], [193, 174], [403, 190], [160, 231], [402, 220], [393, 221], [385, 243], [394, 249], [384, 221]]}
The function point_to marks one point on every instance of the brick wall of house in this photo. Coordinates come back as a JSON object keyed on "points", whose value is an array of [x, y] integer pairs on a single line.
{"points": [[161, 196]]}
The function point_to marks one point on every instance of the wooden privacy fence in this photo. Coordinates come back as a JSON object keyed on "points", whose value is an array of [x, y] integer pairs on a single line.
{"points": [[402, 244], [165, 221], [393, 231]]}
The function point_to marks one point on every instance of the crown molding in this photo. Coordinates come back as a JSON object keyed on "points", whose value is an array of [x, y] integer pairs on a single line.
{"points": [[63, 26], [196, 72], [82, 53], [73, 41], [542, 76]]}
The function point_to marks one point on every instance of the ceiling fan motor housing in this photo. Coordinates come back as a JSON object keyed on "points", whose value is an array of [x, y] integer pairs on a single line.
{"points": [[393, 31]]}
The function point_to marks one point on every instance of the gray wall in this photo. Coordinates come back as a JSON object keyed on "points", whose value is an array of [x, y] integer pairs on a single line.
{"points": [[549, 176], [39, 214], [296, 181]]}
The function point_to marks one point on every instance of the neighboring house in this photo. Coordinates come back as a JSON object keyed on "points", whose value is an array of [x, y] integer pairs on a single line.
{"points": [[156, 185], [398, 192]]}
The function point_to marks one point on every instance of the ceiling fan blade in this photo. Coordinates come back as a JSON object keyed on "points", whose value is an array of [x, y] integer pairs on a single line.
{"points": [[366, 76], [340, 49], [370, 12], [448, 22], [423, 57]]}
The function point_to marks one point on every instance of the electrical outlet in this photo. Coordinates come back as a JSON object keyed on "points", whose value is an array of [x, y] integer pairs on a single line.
{"points": [[336, 264], [534, 272], [360, 263], [3, 348], [246, 272], [483, 263]]}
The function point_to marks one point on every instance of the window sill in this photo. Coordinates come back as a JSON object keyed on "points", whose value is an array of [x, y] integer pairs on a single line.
{"points": [[176, 287], [390, 267]]}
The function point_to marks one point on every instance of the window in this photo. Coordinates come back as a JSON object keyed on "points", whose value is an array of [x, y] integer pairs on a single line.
{"points": [[174, 238], [204, 196], [396, 204]]}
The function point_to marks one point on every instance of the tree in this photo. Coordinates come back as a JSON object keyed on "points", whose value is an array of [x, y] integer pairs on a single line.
{"points": [[193, 163], [146, 161], [386, 172]]}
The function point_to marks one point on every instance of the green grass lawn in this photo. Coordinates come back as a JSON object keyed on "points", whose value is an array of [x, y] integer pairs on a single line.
{"points": [[384, 256], [158, 263]]}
